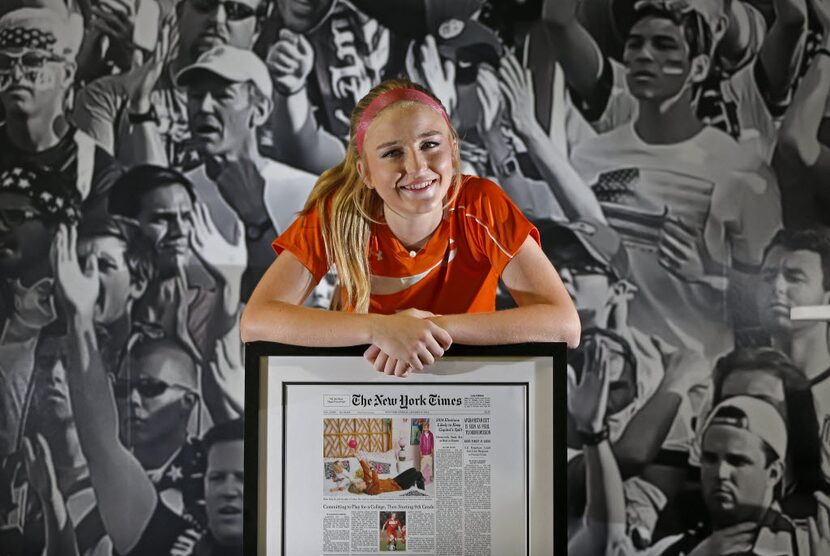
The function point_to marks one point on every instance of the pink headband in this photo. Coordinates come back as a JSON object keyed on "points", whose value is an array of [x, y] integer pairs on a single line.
{"points": [[390, 97]]}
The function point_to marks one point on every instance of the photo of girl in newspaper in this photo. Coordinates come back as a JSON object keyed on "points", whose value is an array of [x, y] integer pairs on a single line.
{"points": [[392, 531], [361, 458], [371, 483]]}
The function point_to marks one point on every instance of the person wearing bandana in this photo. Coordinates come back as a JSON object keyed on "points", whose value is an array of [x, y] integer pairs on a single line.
{"points": [[37, 69], [32, 206]]}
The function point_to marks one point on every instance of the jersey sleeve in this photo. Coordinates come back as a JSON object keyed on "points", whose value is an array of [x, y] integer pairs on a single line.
{"points": [[304, 239], [495, 227]]}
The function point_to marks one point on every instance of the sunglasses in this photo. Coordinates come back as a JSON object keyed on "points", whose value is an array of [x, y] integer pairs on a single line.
{"points": [[29, 60], [146, 387], [235, 11], [16, 217]]}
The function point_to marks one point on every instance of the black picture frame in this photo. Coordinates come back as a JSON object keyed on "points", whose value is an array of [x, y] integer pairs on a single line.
{"points": [[257, 355]]}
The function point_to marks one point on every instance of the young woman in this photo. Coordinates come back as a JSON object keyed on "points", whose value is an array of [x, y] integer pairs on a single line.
{"points": [[418, 248]]}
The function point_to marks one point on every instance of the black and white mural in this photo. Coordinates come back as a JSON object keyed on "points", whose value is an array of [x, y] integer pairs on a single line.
{"points": [[672, 153]]}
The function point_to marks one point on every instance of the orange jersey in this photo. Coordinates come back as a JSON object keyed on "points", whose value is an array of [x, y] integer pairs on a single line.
{"points": [[457, 271]]}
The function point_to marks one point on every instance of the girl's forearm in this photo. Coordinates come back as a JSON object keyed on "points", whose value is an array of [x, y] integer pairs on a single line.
{"points": [[530, 323], [275, 321]]}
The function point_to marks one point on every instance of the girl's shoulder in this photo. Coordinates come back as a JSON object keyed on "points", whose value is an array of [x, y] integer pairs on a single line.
{"points": [[481, 196], [476, 187]]}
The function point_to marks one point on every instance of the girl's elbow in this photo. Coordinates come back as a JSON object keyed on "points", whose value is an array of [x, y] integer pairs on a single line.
{"points": [[573, 331], [570, 328], [565, 326], [247, 325]]}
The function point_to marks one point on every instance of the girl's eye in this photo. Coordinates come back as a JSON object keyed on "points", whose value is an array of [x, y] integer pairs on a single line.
{"points": [[390, 154], [429, 145]]}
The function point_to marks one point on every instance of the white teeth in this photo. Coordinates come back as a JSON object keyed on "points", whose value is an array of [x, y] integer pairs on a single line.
{"points": [[417, 186]]}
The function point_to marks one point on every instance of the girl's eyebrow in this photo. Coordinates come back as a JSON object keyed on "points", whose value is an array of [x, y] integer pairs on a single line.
{"points": [[429, 133]]}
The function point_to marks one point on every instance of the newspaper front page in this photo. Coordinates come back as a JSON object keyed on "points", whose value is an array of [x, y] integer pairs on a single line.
{"points": [[420, 468]]}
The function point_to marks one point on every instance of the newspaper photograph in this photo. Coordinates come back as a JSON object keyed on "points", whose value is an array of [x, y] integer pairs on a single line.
{"points": [[418, 468]]}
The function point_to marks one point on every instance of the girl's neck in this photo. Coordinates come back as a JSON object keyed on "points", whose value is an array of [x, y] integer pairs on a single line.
{"points": [[412, 232]]}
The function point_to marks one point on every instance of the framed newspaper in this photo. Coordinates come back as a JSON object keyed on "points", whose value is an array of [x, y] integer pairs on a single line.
{"points": [[469, 458]]}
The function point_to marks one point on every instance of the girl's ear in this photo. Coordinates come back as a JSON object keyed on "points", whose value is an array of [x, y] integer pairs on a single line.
{"points": [[361, 170]]}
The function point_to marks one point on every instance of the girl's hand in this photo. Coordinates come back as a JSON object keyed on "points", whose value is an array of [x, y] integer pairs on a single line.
{"points": [[407, 339]]}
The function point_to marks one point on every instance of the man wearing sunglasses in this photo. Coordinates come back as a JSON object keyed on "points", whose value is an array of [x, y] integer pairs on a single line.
{"points": [[37, 69], [649, 377], [157, 397]]}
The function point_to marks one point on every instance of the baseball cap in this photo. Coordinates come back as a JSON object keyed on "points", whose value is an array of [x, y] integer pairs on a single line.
{"points": [[460, 37], [601, 242], [754, 415], [42, 28], [231, 63]]}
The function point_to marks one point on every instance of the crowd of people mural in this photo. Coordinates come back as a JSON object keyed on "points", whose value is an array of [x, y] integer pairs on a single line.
{"points": [[672, 154]]}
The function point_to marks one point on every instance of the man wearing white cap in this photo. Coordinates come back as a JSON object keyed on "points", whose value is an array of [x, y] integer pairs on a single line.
{"points": [[743, 452], [229, 94], [744, 447]]}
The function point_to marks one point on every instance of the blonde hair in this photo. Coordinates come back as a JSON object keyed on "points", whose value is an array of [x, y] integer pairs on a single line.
{"points": [[347, 208]]}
